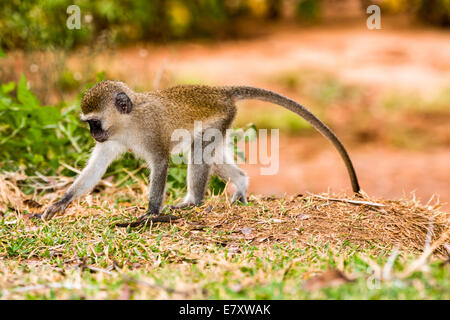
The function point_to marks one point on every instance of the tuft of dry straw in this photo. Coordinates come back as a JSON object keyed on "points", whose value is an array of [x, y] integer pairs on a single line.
{"points": [[10, 194], [403, 224]]}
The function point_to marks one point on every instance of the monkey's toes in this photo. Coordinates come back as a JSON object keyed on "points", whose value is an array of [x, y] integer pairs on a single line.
{"points": [[59, 206], [48, 214], [238, 197], [185, 205]]}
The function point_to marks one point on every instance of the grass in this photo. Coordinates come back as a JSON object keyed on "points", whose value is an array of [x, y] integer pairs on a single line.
{"points": [[300, 247]]}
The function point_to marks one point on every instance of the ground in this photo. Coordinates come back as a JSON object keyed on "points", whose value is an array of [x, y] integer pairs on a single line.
{"points": [[298, 247]]}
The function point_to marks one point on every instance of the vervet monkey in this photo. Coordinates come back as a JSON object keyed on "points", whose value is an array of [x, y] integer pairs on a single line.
{"points": [[121, 119]]}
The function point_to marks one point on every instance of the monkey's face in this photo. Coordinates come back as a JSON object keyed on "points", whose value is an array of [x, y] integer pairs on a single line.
{"points": [[97, 132], [108, 124], [99, 125], [105, 108]]}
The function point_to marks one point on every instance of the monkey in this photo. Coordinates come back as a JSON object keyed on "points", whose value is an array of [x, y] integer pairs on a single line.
{"points": [[120, 119]]}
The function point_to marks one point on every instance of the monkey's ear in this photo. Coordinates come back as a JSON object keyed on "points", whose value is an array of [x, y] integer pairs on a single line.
{"points": [[123, 103]]}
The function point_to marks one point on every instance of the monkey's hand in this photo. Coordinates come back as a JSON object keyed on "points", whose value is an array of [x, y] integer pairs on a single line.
{"points": [[58, 206]]}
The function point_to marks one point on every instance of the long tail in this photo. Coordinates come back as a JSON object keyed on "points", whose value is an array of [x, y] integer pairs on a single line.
{"points": [[239, 93]]}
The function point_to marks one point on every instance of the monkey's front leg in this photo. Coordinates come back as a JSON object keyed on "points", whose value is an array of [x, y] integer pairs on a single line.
{"points": [[158, 177], [103, 154]]}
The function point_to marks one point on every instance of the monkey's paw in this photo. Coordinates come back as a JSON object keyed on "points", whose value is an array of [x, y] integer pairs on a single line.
{"points": [[185, 205], [58, 206], [238, 197]]}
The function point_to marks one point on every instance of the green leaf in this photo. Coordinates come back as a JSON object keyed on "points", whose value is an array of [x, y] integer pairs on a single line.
{"points": [[48, 115], [2, 53], [24, 95], [8, 87]]}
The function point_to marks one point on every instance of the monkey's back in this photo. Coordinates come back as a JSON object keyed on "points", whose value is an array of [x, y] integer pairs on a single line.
{"points": [[184, 105], [197, 102]]}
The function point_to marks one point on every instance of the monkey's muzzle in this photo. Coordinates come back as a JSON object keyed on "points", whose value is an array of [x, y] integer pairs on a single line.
{"points": [[95, 126]]}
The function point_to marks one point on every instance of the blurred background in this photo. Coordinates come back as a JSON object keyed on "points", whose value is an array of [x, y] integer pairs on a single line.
{"points": [[385, 92]]}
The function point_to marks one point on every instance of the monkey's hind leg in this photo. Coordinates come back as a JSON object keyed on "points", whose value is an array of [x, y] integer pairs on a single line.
{"points": [[238, 178], [197, 178]]}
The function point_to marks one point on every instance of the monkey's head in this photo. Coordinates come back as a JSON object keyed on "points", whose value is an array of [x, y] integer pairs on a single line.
{"points": [[104, 106]]}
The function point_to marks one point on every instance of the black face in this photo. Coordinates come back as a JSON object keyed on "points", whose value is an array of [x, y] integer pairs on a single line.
{"points": [[97, 132]]}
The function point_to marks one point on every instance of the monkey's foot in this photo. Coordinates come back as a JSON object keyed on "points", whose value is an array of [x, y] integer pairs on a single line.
{"points": [[238, 197], [184, 205], [148, 218]]}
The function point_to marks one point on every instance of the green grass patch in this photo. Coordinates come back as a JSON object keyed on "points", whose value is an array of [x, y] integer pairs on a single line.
{"points": [[207, 255]]}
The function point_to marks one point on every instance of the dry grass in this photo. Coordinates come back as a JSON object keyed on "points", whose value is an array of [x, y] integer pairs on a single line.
{"points": [[402, 223], [205, 253]]}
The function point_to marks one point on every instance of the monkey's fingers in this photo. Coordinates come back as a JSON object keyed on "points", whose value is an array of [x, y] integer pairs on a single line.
{"points": [[50, 212], [59, 206], [148, 219]]}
